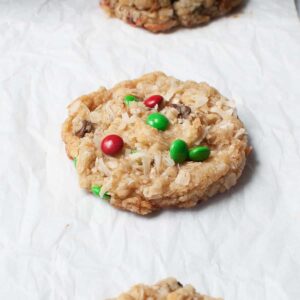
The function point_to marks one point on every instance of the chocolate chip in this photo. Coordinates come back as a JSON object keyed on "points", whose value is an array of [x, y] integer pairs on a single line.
{"points": [[87, 127], [179, 284], [183, 110]]}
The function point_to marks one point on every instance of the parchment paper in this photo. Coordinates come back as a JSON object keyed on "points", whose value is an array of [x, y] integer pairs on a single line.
{"points": [[57, 242]]}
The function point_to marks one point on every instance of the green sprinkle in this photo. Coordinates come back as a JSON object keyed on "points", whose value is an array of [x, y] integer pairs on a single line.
{"points": [[96, 190], [75, 162], [179, 151], [130, 98], [199, 153]]}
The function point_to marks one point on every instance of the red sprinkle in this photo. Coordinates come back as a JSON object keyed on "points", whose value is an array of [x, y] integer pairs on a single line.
{"points": [[153, 100], [112, 144]]}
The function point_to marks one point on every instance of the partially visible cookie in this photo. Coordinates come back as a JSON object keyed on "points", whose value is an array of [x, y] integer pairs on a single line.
{"points": [[162, 15], [155, 142], [168, 289]]}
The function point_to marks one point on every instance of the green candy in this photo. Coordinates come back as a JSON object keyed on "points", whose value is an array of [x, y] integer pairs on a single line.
{"points": [[130, 98], [199, 153], [158, 121], [75, 162], [96, 190], [133, 151], [179, 151]]}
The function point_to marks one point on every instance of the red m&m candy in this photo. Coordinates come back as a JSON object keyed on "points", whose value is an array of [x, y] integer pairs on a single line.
{"points": [[153, 100], [112, 144]]}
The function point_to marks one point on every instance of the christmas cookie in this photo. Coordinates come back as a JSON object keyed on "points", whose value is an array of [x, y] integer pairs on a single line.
{"points": [[155, 142], [168, 289], [162, 15]]}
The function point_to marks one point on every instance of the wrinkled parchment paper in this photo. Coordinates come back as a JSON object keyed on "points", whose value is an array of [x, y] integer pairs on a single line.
{"points": [[57, 242]]}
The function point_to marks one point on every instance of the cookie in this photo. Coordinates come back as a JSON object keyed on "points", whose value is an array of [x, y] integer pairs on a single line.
{"points": [[168, 289], [155, 142], [162, 15]]}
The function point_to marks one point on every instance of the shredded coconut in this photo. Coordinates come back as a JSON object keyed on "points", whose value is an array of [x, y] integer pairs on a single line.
{"points": [[74, 107], [240, 133], [157, 161], [103, 168], [183, 178]]}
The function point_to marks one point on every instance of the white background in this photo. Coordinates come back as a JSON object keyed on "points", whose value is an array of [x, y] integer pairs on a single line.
{"points": [[57, 242]]}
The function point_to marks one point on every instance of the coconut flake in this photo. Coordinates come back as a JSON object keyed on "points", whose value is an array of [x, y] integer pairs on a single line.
{"points": [[169, 161], [124, 121], [135, 110], [76, 124], [195, 97], [125, 117], [226, 125], [109, 112], [95, 116], [170, 93], [132, 120], [157, 161], [172, 90], [230, 180], [240, 133], [230, 103], [96, 139], [183, 178], [112, 164], [146, 164], [201, 100], [229, 112], [106, 187], [221, 112], [103, 167], [137, 155], [74, 106]]}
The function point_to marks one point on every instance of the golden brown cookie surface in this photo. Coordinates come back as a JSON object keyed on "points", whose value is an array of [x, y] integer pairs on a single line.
{"points": [[162, 15], [168, 289]]}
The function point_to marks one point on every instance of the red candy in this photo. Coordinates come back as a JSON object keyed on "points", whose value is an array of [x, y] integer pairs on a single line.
{"points": [[153, 100], [112, 144]]}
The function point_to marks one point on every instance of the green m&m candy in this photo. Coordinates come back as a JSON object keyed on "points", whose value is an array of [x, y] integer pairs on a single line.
{"points": [[75, 161], [130, 98], [199, 153], [158, 121], [96, 190], [179, 151]]}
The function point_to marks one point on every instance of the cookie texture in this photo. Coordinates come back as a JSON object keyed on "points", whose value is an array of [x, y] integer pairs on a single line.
{"points": [[162, 15], [168, 289], [143, 178]]}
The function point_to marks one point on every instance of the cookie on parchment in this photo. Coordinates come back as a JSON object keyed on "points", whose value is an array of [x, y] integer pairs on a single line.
{"points": [[168, 289], [162, 15], [155, 142]]}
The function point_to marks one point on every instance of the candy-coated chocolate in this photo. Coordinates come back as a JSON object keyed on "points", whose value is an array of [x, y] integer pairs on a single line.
{"points": [[153, 100], [112, 144], [199, 153], [133, 151], [158, 121], [130, 98], [75, 161], [179, 151], [96, 190]]}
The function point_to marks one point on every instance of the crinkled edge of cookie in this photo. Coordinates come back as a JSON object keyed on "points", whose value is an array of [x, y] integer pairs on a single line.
{"points": [[168, 289], [162, 16]]}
